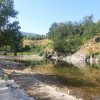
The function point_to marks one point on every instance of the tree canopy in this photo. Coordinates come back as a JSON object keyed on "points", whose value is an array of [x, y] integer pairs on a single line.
{"points": [[9, 32], [69, 36]]}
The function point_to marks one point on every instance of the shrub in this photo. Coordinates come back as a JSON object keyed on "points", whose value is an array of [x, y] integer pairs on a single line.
{"points": [[99, 56], [27, 48], [4, 77], [8, 85], [39, 48], [45, 53], [15, 53], [87, 56], [95, 53], [43, 46], [32, 49], [41, 53], [84, 40], [3, 53], [90, 52], [69, 54]]}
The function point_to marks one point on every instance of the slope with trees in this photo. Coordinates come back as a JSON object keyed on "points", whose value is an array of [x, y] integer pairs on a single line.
{"points": [[69, 36]]}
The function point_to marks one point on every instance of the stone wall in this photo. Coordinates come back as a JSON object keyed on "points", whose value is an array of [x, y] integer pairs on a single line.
{"points": [[78, 56]]}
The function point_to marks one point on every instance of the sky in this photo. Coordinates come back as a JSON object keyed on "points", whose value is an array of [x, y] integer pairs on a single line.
{"points": [[36, 16]]}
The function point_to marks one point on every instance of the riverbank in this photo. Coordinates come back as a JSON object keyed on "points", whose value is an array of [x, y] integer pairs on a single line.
{"points": [[33, 83], [30, 57], [9, 90]]}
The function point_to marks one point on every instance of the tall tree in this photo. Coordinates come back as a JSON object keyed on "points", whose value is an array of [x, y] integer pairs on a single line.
{"points": [[9, 32]]}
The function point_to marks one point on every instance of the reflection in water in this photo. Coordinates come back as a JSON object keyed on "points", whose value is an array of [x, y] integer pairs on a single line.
{"points": [[78, 75]]}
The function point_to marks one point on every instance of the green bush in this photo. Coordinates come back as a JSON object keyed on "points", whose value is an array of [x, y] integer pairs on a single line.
{"points": [[27, 48], [43, 46], [87, 56], [90, 52], [3, 53], [99, 56], [15, 53], [39, 48], [84, 40], [41, 53], [45, 53], [4, 77], [95, 53]]}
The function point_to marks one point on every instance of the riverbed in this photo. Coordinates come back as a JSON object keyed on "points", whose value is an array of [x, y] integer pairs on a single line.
{"points": [[82, 82]]}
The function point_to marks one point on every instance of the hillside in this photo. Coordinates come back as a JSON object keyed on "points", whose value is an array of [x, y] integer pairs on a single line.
{"points": [[36, 42], [91, 46]]}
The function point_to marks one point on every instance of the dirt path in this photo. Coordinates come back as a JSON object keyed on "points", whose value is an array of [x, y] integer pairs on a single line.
{"points": [[37, 89]]}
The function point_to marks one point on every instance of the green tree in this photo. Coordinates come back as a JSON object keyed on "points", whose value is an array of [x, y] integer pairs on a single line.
{"points": [[69, 36], [9, 32]]}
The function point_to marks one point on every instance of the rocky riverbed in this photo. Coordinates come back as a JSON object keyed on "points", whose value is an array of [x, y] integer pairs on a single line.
{"points": [[35, 83], [10, 90]]}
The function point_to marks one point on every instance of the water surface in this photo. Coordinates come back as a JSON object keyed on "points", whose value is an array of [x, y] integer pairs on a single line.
{"points": [[82, 76]]}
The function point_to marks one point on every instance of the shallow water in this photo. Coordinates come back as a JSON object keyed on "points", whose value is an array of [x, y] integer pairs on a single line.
{"points": [[79, 75]]}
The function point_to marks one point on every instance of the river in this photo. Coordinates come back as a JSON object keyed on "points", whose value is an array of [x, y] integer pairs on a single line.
{"points": [[84, 77]]}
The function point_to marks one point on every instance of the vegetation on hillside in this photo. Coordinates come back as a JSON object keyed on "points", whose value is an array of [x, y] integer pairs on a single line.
{"points": [[37, 37], [69, 36], [66, 37]]}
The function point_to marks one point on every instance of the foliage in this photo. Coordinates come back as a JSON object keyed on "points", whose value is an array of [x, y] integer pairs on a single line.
{"points": [[87, 56], [45, 53], [39, 48], [99, 56], [26, 48], [37, 37], [94, 53], [9, 32], [69, 36], [41, 53], [4, 77], [8, 85], [32, 47], [3, 53]]}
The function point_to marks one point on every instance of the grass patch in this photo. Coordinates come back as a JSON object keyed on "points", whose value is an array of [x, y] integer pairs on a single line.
{"points": [[4, 65], [8, 85], [4, 77]]}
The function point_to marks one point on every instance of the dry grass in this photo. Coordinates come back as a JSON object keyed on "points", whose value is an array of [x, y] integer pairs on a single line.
{"points": [[91, 46], [27, 42], [36, 42]]}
